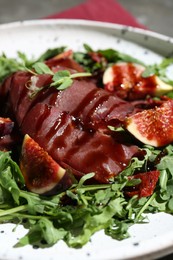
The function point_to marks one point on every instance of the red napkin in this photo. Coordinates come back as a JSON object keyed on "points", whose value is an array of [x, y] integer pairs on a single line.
{"points": [[99, 10]]}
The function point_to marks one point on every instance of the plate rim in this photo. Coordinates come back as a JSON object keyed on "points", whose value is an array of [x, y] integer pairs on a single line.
{"points": [[90, 23], [144, 37]]}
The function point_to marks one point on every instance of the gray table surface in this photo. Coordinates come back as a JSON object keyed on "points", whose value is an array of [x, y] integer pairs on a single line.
{"points": [[155, 14]]}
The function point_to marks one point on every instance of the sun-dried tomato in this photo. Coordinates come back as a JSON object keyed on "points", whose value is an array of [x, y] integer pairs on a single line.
{"points": [[147, 185]]}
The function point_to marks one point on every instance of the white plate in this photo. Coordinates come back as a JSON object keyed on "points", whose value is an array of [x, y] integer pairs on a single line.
{"points": [[147, 241]]}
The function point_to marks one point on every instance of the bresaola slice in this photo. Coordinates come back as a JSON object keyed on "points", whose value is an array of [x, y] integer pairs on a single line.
{"points": [[19, 94], [68, 143], [95, 107], [71, 124], [64, 62]]}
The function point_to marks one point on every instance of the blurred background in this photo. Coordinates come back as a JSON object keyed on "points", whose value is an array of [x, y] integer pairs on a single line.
{"points": [[157, 15]]}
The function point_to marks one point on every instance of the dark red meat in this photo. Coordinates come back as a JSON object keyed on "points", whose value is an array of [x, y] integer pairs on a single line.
{"points": [[71, 125], [66, 141], [65, 62], [7, 135], [95, 107], [6, 126]]}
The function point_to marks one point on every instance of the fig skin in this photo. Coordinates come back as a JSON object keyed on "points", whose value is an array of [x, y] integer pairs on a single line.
{"points": [[42, 174], [153, 126]]}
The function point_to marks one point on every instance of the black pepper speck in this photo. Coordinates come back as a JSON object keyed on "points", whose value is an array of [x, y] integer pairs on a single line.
{"points": [[35, 246], [43, 242], [124, 31], [169, 40], [88, 254], [56, 39], [136, 244]]}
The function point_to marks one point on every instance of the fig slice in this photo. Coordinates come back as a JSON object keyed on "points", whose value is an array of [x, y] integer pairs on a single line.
{"points": [[42, 174], [153, 126], [125, 79]]}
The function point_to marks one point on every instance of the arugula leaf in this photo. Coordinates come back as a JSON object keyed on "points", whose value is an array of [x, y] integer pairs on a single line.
{"points": [[63, 79], [150, 71], [8, 66], [110, 56], [7, 180], [118, 230], [114, 56], [11, 65], [93, 210], [87, 48], [90, 208], [42, 68], [50, 53], [63, 84], [43, 230], [160, 70]]}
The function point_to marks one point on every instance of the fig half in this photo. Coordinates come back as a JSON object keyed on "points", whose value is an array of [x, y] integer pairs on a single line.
{"points": [[42, 174], [126, 80], [153, 126]]}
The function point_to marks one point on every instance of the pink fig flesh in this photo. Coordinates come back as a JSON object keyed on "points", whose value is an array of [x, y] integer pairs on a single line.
{"points": [[41, 173]]}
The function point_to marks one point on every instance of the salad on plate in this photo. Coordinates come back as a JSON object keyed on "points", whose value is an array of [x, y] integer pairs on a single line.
{"points": [[85, 144]]}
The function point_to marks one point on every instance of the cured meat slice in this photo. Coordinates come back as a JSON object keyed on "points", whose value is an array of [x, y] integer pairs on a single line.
{"points": [[68, 143], [95, 107], [64, 62], [71, 125], [19, 98], [7, 135]]}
